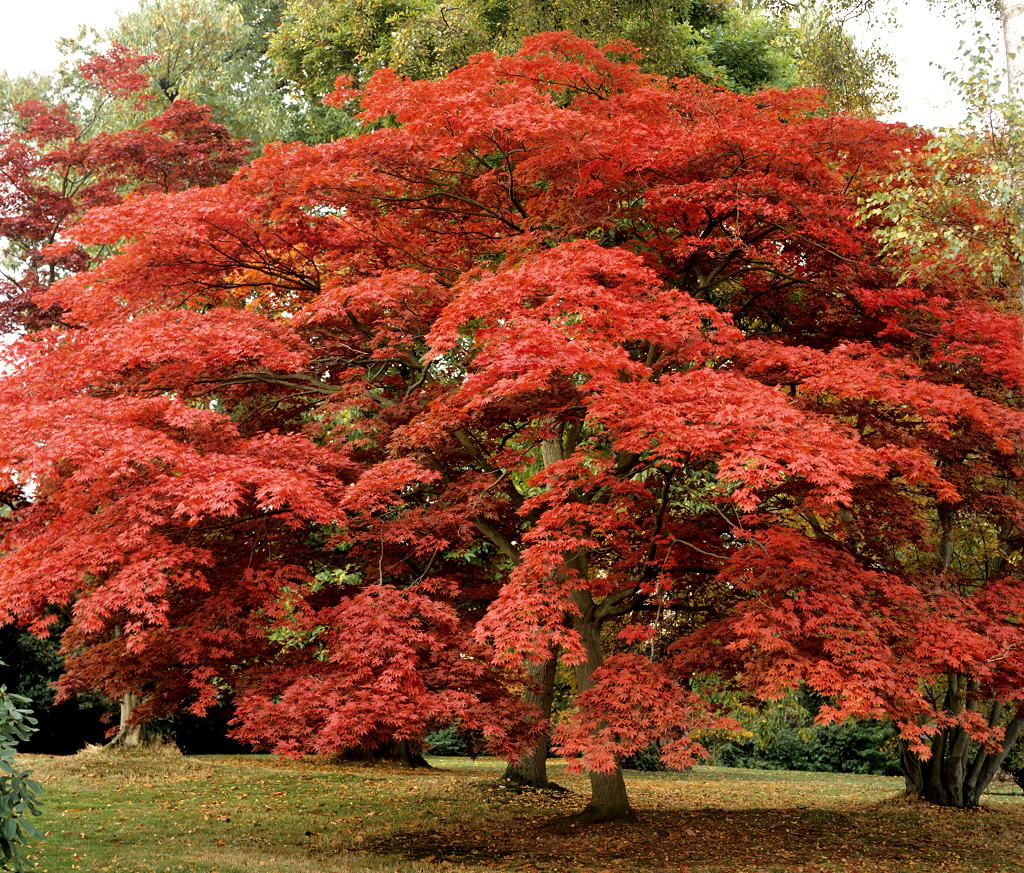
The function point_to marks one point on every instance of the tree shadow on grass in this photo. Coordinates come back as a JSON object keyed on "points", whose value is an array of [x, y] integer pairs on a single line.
{"points": [[874, 837]]}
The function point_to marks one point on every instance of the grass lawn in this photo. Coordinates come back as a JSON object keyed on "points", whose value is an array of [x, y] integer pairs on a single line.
{"points": [[159, 812]]}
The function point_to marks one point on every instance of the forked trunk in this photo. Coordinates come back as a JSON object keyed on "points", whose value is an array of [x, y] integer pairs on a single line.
{"points": [[958, 771], [130, 734], [531, 771], [608, 799]]}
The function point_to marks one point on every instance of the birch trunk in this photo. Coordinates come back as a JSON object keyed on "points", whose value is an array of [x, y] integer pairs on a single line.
{"points": [[1011, 16]]}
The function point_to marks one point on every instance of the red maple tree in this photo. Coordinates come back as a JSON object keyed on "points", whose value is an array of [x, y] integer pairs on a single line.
{"points": [[366, 430]]}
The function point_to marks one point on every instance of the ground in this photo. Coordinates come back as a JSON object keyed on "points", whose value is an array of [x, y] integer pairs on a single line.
{"points": [[154, 812]]}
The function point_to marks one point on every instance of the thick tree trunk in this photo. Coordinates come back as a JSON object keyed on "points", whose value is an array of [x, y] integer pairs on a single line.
{"points": [[608, 799], [130, 735], [950, 777], [402, 753], [532, 770]]}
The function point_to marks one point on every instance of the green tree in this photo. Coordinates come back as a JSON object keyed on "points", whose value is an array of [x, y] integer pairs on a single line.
{"points": [[711, 39], [745, 46], [857, 79], [212, 52]]}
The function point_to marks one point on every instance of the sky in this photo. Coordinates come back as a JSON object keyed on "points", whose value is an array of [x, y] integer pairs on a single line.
{"points": [[924, 38]]}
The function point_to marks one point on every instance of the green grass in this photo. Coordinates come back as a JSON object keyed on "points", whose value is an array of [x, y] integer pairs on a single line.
{"points": [[158, 812]]}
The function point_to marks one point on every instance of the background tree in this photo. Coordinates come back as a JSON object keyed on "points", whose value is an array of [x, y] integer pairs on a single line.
{"points": [[208, 52], [856, 79], [742, 46]]}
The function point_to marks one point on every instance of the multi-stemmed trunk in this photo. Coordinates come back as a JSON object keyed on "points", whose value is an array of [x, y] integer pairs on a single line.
{"points": [[959, 770], [608, 801]]}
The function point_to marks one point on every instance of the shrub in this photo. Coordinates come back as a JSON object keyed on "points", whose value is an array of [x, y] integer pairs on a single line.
{"points": [[647, 760], [455, 741], [19, 795]]}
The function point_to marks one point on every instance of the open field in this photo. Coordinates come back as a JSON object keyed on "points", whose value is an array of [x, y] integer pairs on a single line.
{"points": [[158, 812]]}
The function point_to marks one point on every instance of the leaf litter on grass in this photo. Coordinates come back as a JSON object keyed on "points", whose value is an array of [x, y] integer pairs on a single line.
{"points": [[714, 819], [228, 814]]}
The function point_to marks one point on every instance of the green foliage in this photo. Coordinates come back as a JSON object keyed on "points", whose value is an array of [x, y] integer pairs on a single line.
{"points": [[860, 80], [738, 45], [448, 741], [959, 204], [38, 663], [851, 747], [782, 735], [19, 795], [749, 52], [646, 761]]}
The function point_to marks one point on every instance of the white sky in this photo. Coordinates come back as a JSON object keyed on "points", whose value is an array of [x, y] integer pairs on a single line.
{"points": [[32, 27], [925, 37]]}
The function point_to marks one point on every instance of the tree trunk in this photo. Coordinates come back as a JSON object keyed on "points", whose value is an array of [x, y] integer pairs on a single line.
{"points": [[532, 770], [608, 799], [950, 777], [403, 754], [394, 752], [1011, 16], [130, 735]]}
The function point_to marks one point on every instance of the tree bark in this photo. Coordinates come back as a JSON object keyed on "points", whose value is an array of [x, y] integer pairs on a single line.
{"points": [[531, 771], [1011, 16], [403, 754], [608, 799], [913, 771], [130, 735], [950, 777]]}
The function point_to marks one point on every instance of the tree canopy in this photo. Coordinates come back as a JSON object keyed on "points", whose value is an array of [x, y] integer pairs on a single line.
{"points": [[363, 431]]}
